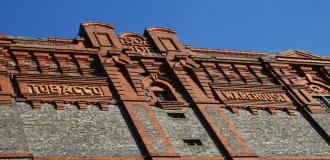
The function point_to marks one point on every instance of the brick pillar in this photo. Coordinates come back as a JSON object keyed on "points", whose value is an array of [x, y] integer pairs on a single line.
{"points": [[100, 35], [6, 90], [213, 116], [143, 119], [165, 41]]}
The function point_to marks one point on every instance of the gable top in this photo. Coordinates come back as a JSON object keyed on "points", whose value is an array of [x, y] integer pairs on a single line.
{"points": [[298, 54]]}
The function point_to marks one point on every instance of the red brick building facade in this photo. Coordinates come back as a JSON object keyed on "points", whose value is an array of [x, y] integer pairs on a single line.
{"points": [[131, 96]]}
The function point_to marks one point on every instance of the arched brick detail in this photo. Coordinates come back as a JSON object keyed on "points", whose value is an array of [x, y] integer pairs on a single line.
{"points": [[163, 82]]}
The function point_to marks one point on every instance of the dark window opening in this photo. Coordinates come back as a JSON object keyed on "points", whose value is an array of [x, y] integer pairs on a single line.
{"points": [[193, 142], [164, 95], [327, 98], [320, 100], [324, 101], [176, 115]]}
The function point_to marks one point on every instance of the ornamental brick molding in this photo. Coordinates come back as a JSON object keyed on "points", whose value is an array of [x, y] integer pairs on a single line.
{"points": [[103, 95]]}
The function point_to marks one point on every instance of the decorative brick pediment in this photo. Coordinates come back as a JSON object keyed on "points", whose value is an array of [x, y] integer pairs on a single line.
{"points": [[298, 54], [100, 35], [135, 43], [294, 56]]}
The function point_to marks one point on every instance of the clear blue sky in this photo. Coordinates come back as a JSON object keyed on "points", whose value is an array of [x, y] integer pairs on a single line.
{"points": [[258, 25]]}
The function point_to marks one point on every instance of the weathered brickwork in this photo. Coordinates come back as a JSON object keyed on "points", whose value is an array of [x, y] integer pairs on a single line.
{"points": [[225, 129], [149, 129], [109, 96]]}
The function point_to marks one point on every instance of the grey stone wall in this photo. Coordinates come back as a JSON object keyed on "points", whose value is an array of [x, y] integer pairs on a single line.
{"points": [[12, 138], [150, 131], [225, 130], [279, 135], [190, 127], [323, 119], [74, 132], [91, 132]]}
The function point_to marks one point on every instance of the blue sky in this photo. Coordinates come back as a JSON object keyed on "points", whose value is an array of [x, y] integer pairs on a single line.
{"points": [[253, 25]]}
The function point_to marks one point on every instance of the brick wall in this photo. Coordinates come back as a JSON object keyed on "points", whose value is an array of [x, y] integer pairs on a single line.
{"points": [[107, 96]]}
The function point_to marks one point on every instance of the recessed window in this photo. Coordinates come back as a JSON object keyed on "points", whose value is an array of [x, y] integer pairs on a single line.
{"points": [[327, 98], [193, 142], [164, 95], [176, 115], [324, 101]]}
